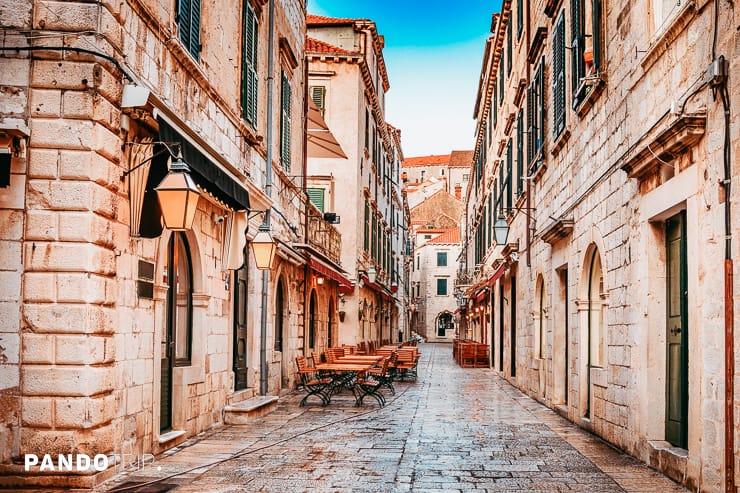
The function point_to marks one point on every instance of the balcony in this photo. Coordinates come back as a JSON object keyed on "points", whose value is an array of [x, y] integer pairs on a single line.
{"points": [[464, 278], [323, 236]]}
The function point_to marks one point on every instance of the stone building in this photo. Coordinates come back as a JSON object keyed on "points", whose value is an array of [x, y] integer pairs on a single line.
{"points": [[605, 132], [348, 81], [117, 335], [454, 168]]}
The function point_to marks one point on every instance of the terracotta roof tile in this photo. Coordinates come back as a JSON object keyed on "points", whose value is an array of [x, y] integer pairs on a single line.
{"points": [[461, 158], [451, 235], [426, 160], [321, 20], [317, 46]]}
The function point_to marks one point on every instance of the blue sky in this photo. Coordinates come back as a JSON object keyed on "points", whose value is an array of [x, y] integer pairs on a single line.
{"points": [[433, 51]]}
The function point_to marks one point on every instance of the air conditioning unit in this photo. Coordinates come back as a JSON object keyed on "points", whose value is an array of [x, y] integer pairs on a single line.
{"points": [[331, 217]]}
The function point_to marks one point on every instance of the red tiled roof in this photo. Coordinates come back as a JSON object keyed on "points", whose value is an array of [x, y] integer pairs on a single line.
{"points": [[461, 158], [451, 235], [320, 20], [426, 160], [317, 46]]}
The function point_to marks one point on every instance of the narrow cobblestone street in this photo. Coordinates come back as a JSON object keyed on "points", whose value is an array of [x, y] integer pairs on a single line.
{"points": [[452, 430]]}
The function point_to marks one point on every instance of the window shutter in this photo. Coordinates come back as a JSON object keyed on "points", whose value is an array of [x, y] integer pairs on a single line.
{"points": [[509, 186], [366, 242], [501, 187], [558, 76], [249, 65], [494, 108], [501, 80], [316, 196], [508, 49], [530, 124], [596, 30], [519, 17], [576, 21], [520, 153], [318, 95], [188, 24], [540, 81], [285, 122]]}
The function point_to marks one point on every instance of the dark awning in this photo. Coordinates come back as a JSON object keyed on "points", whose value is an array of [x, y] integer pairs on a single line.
{"points": [[205, 172]]}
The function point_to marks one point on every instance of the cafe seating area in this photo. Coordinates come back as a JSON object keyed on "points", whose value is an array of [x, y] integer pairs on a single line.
{"points": [[366, 369], [471, 354]]}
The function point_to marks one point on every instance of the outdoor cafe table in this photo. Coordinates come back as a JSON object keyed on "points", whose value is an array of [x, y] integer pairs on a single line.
{"points": [[360, 360], [342, 374]]}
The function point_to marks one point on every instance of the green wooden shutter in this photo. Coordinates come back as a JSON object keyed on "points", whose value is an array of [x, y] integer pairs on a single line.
{"points": [[519, 18], [366, 242], [441, 287], [316, 196], [249, 65], [508, 49], [540, 81], [530, 124], [188, 24], [558, 76], [576, 42], [520, 153], [285, 122], [318, 95], [509, 186]]}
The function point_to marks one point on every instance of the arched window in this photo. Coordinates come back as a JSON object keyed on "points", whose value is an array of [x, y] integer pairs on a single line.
{"points": [[180, 298], [279, 316], [312, 321]]}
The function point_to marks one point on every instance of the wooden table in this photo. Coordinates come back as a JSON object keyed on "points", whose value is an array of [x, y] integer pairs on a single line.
{"points": [[360, 360], [343, 374]]}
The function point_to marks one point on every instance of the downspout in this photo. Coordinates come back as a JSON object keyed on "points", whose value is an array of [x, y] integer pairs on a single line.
{"points": [[268, 192], [529, 182], [304, 200]]}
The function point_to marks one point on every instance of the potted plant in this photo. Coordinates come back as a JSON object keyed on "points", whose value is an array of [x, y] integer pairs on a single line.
{"points": [[341, 313]]}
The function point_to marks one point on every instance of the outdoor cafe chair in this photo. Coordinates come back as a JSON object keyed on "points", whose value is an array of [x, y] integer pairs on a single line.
{"points": [[311, 383], [370, 385]]}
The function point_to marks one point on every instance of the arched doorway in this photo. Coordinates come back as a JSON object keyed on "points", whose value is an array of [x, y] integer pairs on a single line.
{"points": [[330, 325], [178, 330], [592, 313], [280, 336], [312, 322], [445, 322]]}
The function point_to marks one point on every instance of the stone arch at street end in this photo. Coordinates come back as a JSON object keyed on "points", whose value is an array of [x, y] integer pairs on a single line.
{"points": [[592, 304], [444, 325]]}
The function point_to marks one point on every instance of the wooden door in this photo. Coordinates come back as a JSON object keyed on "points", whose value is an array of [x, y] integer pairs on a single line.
{"points": [[676, 332], [240, 329]]}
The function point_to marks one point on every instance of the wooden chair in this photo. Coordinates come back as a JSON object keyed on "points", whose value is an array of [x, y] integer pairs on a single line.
{"points": [[482, 356], [467, 354], [312, 383], [370, 384], [386, 377], [406, 365]]}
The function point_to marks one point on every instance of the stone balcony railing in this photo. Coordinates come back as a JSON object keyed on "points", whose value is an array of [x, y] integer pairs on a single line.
{"points": [[323, 236], [464, 278]]}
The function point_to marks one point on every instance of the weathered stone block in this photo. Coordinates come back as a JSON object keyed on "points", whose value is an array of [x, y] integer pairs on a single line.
{"points": [[41, 225], [81, 350], [77, 104], [9, 376], [43, 163], [40, 442], [10, 348], [106, 143], [10, 315], [14, 197], [10, 253], [62, 75], [13, 101], [81, 288], [11, 283], [40, 287], [46, 103], [38, 348], [59, 133], [66, 381], [11, 225], [69, 257], [70, 318], [37, 412], [134, 399], [71, 195], [16, 71], [66, 16], [71, 413]]}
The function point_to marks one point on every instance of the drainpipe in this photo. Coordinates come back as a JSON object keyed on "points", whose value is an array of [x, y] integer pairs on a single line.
{"points": [[529, 182], [268, 192]]}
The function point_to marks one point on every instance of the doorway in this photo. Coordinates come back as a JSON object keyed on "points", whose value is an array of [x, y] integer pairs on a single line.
{"points": [[512, 304], [239, 364], [677, 354], [176, 342]]}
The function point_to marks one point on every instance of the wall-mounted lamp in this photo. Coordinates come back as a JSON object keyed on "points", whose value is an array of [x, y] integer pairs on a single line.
{"points": [[372, 275], [264, 248], [178, 197], [320, 281], [501, 226]]}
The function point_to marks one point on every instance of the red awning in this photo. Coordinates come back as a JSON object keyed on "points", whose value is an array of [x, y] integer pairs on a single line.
{"points": [[499, 272], [481, 296], [345, 286], [378, 288]]}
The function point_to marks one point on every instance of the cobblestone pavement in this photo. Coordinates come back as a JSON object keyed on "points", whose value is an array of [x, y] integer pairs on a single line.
{"points": [[453, 429]]}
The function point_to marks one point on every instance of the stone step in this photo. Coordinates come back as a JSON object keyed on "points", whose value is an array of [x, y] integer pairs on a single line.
{"points": [[244, 411]]}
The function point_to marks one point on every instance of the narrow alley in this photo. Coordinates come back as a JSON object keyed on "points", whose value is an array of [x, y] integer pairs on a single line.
{"points": [[453, 429]]}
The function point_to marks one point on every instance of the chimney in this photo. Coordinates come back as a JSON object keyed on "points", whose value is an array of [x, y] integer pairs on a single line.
{"points": [[458, 192]]}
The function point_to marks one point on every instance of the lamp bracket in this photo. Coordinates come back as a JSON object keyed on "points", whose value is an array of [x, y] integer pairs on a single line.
{"points": [[168, 149]]}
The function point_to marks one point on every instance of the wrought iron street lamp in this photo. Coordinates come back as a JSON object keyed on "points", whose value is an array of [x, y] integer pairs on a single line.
{"points": [[372, 274], [501, 230], [178, 197], [264, 248]]}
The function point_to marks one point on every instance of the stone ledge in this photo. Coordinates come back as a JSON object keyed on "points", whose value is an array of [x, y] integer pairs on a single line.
{"points": [[249, 409], [170, 436], [668, 459]]}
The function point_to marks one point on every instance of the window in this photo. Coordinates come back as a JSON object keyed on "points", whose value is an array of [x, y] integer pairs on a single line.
{"points": [[422, 175], [366, 241], [318, 95], [466, 177], [519, 18], [285, 91], [188, 26], [279, 316], [374, 251], [494, 108], [442, 286], [367, 129], [536, 117], [313, 320], [520, 153], [427, 237], [662, 11], [585, 30], [249, 65], [558, 76], [316, 196], [417, 261], [508, 50], [509, 184], [441, 259], [501, 80]]}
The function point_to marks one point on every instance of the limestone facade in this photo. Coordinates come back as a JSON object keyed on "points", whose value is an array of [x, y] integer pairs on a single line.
{"points": [[348, 81], [601, 142], [118, 336]]}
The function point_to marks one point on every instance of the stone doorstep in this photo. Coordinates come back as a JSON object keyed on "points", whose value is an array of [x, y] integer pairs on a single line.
{"points": [[16, 476], [668, 459], [247, 410]]}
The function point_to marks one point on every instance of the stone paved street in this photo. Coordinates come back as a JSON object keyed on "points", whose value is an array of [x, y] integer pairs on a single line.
{"points": [[453, 430]]}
